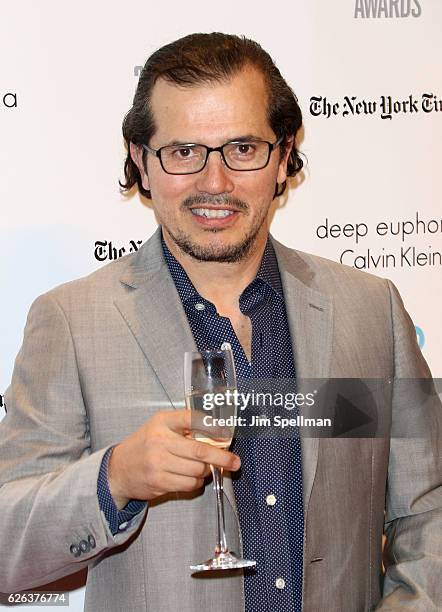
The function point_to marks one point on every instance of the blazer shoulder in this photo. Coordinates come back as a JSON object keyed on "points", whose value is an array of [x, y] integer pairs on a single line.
{"points": [[325, 274], [327, 266], [117, 278], [101, 285]]}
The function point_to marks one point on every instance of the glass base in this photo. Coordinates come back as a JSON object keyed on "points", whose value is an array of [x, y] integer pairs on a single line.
{"points": [[222, 561]]}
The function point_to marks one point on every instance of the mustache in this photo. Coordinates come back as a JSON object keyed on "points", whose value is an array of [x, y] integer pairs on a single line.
{"points": [[215, 200]]}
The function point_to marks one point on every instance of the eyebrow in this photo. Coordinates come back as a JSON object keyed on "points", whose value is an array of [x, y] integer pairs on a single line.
{"points": [[243, 138]]}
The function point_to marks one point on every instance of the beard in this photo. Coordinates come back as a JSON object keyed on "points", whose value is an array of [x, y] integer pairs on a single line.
{"points": [[228, 253]]}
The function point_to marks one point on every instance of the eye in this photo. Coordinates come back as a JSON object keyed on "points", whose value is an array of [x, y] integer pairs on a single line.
{"points": [[183, 152], [245, 148]]}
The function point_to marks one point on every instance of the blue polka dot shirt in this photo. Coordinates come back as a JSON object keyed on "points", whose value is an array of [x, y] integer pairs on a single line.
{"points": [[268, 489]]}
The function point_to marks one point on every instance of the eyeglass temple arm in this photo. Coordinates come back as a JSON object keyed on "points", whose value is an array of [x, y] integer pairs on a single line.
{"points": [[278, 142], [153, 151]]}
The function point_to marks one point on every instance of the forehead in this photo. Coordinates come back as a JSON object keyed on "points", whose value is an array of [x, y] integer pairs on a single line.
{"points": [[211, 113]]}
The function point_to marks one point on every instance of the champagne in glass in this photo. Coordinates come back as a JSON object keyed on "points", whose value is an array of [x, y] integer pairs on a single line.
{"points": [[207, 416], [209, 383]]}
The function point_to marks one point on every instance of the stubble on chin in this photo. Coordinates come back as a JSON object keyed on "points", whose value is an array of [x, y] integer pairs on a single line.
{"points": [[230, 253]]}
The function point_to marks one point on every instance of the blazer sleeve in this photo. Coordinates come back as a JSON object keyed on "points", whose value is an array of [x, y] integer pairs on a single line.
{"points": [[51, 524], [413, 522]]}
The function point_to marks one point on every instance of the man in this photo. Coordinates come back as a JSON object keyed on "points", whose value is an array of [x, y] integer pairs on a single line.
{"points": [[97, 467]]}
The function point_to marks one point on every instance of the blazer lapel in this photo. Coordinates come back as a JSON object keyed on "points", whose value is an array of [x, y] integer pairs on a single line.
{"points": [[154, 313], [310, 318]]}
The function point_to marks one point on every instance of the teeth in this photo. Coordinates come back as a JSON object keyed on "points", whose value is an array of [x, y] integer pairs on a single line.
{"points": [[210, 213]]}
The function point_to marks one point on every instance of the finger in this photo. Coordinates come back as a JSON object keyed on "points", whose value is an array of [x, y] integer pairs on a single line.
{"points": [[182, 422], [201, 451], [186, 467], [174, 483], [178, 421]]}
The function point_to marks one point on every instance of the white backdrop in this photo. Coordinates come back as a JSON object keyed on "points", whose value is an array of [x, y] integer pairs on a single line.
{"points": [[68, 74]]}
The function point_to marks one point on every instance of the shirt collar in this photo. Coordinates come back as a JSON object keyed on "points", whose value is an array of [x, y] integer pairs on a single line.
{"points": [[268, 269], [268, 272]]}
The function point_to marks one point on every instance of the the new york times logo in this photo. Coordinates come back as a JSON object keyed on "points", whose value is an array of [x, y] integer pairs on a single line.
{"points": [[105, 250], [385, 107], [381, 9]]}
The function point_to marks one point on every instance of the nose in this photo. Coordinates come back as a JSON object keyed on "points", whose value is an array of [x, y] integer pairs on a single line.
{"points": [[215, 177]]}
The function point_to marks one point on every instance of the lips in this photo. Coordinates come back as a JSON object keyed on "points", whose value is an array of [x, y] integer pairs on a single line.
{"points": [[212, 213], [214, 217]]}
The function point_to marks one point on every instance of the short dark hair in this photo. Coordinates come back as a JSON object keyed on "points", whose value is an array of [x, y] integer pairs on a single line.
{"points": [[204, 58]]}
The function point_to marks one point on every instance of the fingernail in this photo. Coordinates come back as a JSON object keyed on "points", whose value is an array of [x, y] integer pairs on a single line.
{"points": [[236, 463]]}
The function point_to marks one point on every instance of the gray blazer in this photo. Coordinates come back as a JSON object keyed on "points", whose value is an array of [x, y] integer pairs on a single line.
{"points": [[103, 353]]}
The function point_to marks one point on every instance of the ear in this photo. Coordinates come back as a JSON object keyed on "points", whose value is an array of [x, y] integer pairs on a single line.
{"points": [[136, 153], [282, 169]]}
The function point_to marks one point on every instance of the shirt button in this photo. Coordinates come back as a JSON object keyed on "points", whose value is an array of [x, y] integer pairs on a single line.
{"points": [[271, 500], [122, 526], [199, 306], [225, 346], [280, 583]]}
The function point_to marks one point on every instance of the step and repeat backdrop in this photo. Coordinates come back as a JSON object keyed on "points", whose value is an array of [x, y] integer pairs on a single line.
{"points": [[368, 75]]}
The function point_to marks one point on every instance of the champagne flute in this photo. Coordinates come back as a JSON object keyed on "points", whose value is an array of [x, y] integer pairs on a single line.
{"points": [[209, 384]]}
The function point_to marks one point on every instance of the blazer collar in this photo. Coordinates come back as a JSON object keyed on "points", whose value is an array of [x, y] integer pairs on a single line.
{"points": [[145, 263]]}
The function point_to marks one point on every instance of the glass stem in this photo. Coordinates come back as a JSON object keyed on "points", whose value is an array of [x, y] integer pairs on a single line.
{"points": [[221, 545]]}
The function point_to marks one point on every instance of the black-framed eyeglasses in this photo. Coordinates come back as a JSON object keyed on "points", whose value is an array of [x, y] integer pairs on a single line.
{"points": [[240, 155]]}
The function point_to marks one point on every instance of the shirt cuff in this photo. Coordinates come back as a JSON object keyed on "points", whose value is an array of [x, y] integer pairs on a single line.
{"points": [[118, 520]]}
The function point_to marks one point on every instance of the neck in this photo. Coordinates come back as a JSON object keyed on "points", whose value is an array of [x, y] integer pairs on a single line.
{"points": [[220, 283]]}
